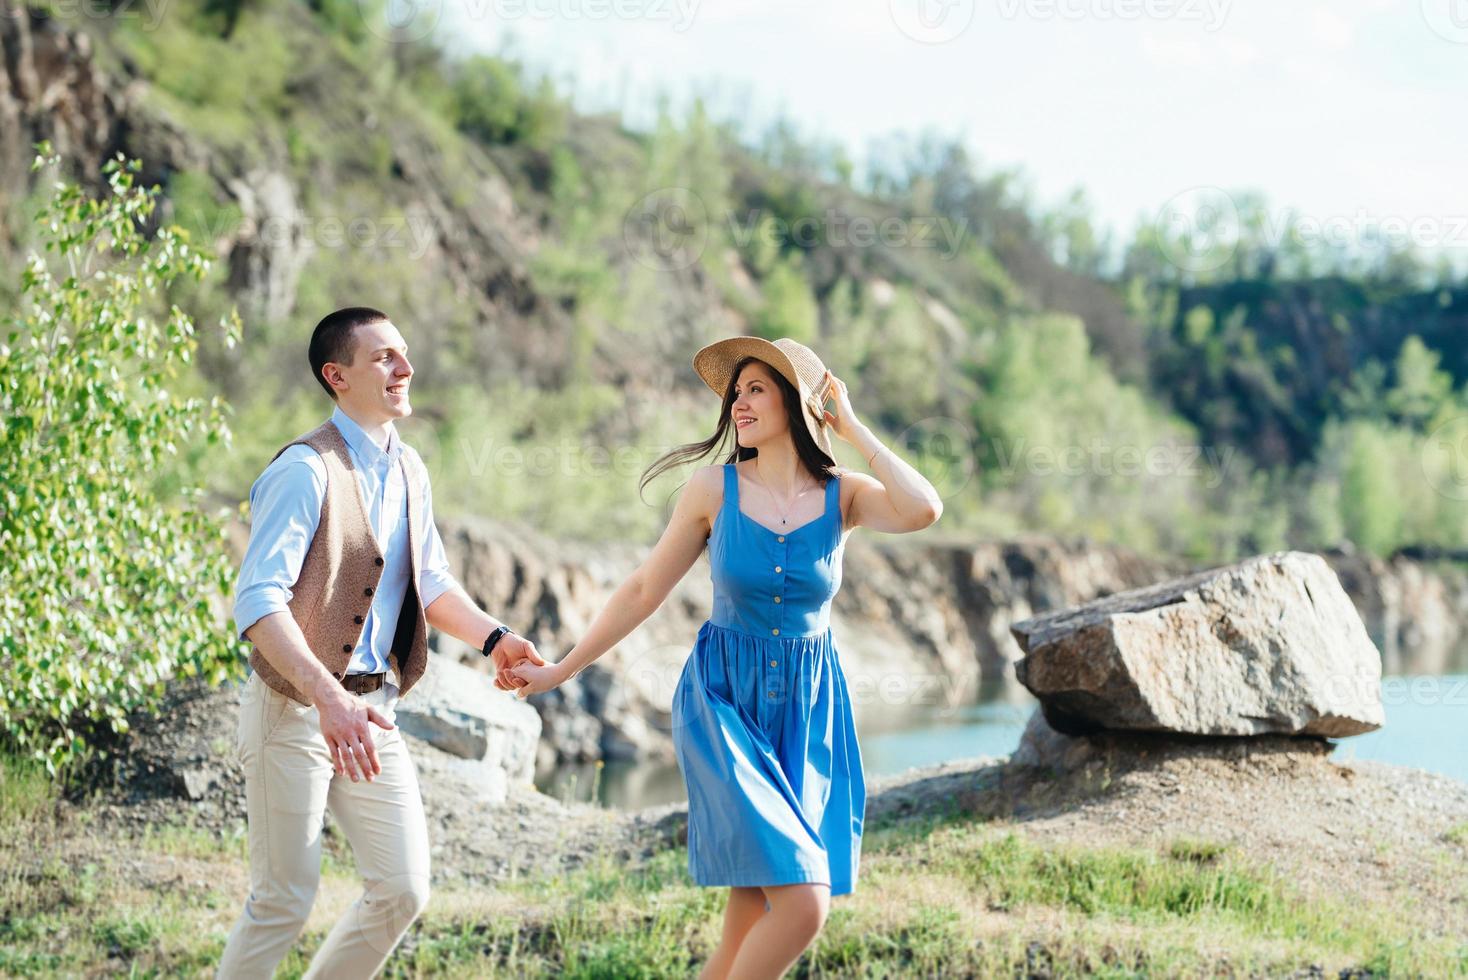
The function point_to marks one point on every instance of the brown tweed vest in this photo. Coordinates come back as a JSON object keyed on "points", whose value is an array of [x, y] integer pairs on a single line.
{"points": [[331, 598]]}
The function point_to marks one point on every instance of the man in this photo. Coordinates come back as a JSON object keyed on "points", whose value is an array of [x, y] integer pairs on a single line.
{"points": [[343, 573]]}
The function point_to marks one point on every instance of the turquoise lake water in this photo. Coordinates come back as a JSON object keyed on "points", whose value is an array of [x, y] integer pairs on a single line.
{"points": [[1426, 726]]}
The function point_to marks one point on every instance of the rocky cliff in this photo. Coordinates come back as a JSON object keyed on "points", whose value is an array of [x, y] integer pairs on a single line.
{"points": [[917, 623]]}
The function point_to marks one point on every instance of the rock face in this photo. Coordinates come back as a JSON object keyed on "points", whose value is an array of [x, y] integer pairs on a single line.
{"points": [[918, 625], [459, 711], [1269, 645], [50, 90]]}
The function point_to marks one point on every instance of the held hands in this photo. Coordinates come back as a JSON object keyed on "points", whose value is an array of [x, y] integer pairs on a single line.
{"points": [[511, 651], [537, 679]]}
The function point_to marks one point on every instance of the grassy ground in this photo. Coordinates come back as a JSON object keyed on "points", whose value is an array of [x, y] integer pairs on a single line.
{"points": [[938, 896]]}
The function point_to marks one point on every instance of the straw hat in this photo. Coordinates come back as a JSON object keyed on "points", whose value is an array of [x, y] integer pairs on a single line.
{"points": [[797, 362]]}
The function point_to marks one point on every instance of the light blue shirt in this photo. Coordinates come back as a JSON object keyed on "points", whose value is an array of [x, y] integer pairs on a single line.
{"points": [[285, 509]]}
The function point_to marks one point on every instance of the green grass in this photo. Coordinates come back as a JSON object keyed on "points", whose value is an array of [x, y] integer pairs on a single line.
{"points": [[944, 894], [27, 793]]}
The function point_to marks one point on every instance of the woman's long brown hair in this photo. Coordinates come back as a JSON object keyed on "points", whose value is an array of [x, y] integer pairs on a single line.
{"points": [[811, 456]]}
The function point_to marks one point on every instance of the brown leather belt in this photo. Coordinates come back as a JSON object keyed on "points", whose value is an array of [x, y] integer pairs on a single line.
{"points": [[363, 683]]}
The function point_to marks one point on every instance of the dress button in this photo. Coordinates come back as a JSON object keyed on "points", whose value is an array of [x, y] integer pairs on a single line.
{"points": [[367, 591], [775, 631], [774, 663], [770, 693], [777, 599], [778, 569], [781, 539]]}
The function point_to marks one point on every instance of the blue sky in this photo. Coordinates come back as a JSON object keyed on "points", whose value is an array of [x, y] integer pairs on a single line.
{"points": [[1348, 112]]}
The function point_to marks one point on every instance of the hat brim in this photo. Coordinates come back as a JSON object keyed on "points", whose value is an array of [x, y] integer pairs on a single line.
{"points": [[715, 365]]}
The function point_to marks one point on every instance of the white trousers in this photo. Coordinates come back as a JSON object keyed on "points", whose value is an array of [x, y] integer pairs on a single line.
{"points": [[289, 785]]}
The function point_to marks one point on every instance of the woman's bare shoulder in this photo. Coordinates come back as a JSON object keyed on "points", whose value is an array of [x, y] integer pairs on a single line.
{"points": [[706, 488]]}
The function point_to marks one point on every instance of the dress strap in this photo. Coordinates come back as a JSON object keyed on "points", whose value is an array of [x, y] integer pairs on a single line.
{"points": [[833, 498], [731, 486]]}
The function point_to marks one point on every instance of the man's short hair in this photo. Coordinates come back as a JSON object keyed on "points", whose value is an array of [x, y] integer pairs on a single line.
{"points": [[333, 340]]}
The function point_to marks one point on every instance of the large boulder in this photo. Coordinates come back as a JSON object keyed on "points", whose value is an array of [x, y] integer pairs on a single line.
{"points": [[1269, 645], [458, 710]]}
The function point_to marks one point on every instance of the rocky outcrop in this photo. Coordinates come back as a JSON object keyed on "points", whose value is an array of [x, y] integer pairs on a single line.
{"points": [[1268, 645], [1415, 609], [50, 89], [459, 229], [269, 250], [920, 624], [460, 712]]}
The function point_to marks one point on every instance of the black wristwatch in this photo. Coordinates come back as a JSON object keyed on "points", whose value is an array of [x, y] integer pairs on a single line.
{"points": [[493, 638]]}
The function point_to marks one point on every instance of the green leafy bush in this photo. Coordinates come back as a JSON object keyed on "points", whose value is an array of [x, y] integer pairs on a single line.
{"points": [[107, 579]]}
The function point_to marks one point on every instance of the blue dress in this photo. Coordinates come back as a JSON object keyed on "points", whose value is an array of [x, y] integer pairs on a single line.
{"points": [[762, 717]]}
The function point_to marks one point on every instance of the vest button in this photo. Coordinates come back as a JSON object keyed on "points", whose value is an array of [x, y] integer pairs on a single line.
{"points": [[357, 619], [377, 561], [346, 648], [367, 591]]}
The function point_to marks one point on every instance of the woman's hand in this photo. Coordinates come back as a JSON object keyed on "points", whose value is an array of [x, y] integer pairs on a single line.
{"points": [[512, 649], [531, 679], [843, 421]]}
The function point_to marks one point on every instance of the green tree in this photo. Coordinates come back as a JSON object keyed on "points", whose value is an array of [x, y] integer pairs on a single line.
{"points": [[790, 308], [1422, 388], [109, 568], [487, 99]]}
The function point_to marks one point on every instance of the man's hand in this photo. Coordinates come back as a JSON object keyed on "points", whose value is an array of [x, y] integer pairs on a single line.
{"points": [[511, 650], [531, 679], [345, 721]]}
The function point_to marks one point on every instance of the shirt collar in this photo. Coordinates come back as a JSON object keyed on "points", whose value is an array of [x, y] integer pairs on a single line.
{"points": [[361, 443]]}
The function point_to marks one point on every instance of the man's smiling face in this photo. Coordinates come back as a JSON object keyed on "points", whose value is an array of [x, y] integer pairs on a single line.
{"points": [[374, 386]]}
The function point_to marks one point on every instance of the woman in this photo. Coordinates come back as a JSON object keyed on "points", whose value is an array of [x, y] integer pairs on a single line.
{"points": [[762, 719]]}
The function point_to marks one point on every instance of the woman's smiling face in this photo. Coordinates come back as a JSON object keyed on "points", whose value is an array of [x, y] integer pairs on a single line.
{"points": [[758, 411]]}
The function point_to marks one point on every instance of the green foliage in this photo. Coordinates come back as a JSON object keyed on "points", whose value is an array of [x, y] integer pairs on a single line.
{"points": [[106, 582], [487, 99], [790, 308], [222, 87], [1396, 486], [490, 103], [1422, 390]]}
